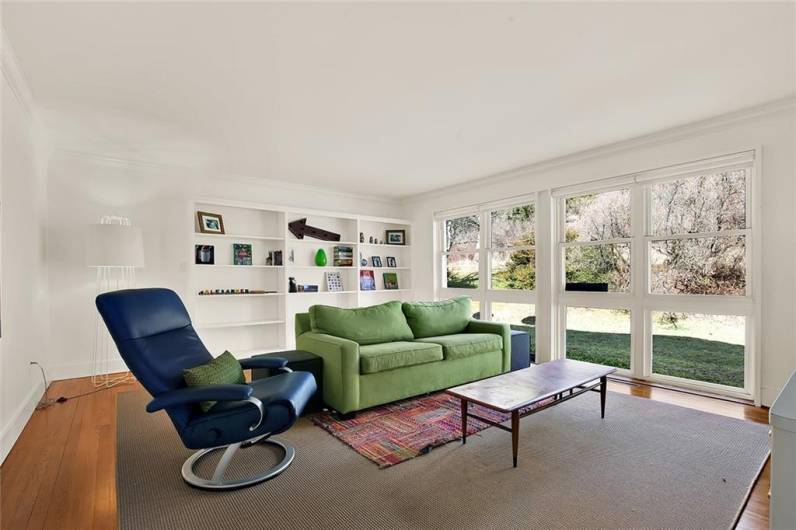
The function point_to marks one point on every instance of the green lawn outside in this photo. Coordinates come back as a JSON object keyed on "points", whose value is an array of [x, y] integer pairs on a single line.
{"points": [[687, 357]]}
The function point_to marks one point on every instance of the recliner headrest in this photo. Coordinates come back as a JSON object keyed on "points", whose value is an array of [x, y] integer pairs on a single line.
{"points": [[137, 313]]}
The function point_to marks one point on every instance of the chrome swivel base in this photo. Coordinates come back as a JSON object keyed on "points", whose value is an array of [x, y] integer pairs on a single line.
{"points": [[217, 482]]}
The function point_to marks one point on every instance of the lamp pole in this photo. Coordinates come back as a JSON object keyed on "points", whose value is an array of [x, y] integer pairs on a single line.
{"points": [[115, 249]]}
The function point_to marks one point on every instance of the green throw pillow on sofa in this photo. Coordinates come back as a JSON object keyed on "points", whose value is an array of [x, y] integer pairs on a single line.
{"points": [[223, 370], [430, 319], [364, 325]]}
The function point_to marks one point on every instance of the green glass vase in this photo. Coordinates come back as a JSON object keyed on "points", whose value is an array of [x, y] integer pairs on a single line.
{"points": [[320, 258]]}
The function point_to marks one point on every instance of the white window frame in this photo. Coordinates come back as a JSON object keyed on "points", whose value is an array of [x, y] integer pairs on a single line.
{"points": [[640, 300], [587, 299], [484, 294]]}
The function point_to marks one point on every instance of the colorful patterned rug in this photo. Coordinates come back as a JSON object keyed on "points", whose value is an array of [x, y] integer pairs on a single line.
{"points": [[393, 433]]}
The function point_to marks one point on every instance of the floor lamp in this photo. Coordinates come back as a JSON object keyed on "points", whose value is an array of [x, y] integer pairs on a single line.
{"points": [[115, 249]]}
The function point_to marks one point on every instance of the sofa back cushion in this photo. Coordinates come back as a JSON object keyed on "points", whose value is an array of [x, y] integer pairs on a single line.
{"points": [[364, 325], [431, 319]]}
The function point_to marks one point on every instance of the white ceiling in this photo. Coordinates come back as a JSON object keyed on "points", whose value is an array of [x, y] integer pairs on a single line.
{"points": [[388, 99]]}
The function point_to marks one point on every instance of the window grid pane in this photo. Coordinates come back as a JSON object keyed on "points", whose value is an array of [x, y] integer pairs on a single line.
{"points": [[513, 227], [462, 234], [513, 269], [600, 336], [598, 216], [599, 264], [699, 347], [461, 271], [700, 204], [699, 266]]}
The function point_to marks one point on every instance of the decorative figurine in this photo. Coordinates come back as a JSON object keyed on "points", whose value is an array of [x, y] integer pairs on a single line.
{"points": [[320, 258], [291, 285], [361, 237]]}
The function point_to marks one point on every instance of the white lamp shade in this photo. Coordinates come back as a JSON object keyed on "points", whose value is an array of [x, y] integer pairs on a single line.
{"points": [[114, 245]]}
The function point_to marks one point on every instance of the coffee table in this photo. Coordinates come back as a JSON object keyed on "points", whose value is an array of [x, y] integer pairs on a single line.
{"points": [[560, 380]]}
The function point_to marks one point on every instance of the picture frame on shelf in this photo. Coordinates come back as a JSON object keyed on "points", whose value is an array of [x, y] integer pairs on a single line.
{"points": [[210, 223], [391, 261], [390, 280], [334, 281], [241, 254], [204, 255], [367, 281], [343, 256], [395, 237], [375, 261], [274, 258]]}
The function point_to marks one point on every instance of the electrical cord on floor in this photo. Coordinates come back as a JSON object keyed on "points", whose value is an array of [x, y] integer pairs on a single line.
{"points": [[48, 402]]}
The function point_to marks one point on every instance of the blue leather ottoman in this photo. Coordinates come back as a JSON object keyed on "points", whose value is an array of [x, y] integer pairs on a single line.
{"points": [[521, 356]]}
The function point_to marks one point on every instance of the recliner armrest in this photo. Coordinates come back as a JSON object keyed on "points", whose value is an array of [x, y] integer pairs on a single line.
{"points": [[263, 362], [196, 394]]}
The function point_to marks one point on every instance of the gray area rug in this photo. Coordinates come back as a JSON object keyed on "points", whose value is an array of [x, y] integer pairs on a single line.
{"points": [[647, 465]]}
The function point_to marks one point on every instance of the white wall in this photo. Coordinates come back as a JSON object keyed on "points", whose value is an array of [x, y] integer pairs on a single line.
{"points": [[84, 188], [770, 127], [23, 285]]}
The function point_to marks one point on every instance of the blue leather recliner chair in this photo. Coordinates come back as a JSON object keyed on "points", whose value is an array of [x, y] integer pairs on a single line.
{"points": [[154, 335]]}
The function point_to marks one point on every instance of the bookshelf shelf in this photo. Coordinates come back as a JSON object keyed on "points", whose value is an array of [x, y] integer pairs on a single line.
{"points": [[263, 322], [198, 266], [244, 237]]}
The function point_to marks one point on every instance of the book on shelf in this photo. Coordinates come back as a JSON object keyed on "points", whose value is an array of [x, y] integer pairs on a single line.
{"points": [[390, 280], [343, 256], [367, 280]]}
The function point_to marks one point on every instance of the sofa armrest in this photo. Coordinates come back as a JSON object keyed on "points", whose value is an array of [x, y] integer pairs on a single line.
{"points": [[340, 368], [497, 328]]}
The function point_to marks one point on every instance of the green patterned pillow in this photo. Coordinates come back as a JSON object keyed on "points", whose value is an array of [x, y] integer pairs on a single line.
{"points": [[223, 370]]}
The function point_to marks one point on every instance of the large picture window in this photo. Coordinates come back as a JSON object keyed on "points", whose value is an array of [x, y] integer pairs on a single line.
{"points": [[655, 276], [652, 273], [489, 254]]}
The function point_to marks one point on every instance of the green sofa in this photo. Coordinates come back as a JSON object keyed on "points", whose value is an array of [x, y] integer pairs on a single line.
{"points": [[383, 353]]}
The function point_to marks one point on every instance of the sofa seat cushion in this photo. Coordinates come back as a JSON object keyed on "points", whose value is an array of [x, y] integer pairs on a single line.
{"points": [[463, 345], [390, 355]]}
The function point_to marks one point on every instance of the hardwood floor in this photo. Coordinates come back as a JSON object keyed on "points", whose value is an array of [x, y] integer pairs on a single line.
{"points": [[61, 472]]}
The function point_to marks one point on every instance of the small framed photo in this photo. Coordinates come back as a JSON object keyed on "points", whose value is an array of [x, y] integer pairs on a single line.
{"points": [[367, 281], [396, 237], [376, 261], [210, 223], [205, 255], [241, 254], [391, 262], [390, 280]]}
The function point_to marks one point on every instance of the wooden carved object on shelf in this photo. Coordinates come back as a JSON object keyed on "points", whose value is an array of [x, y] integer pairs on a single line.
{"points": [[300, 228]]}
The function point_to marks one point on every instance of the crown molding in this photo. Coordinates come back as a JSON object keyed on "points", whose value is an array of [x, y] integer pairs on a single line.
{"points": [[659, 137], [132, 163], [308, 188], [15, 76]]}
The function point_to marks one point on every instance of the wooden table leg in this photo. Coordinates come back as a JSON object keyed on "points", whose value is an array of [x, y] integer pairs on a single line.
{"points": [[515, 434], [464, 421], [603, 392]]}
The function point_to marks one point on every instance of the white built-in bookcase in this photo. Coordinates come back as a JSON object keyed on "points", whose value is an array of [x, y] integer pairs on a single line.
{"points": [[259, 323]]}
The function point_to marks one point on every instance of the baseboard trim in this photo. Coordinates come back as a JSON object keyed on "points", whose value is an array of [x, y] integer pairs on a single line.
{"points": [[19, 420]]}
